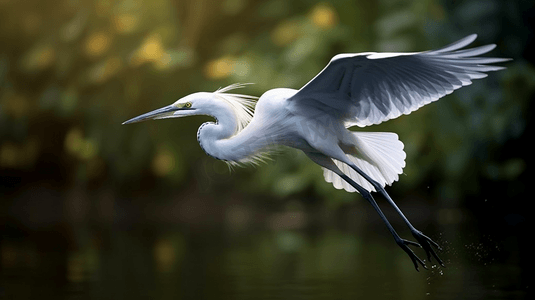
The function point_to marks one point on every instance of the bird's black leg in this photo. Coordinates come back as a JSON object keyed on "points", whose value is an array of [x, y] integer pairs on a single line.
{"points": [[401, 242], [326, 162], [425, 242]]}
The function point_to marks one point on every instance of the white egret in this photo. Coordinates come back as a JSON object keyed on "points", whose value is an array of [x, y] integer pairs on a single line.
{"points": [[353, 89]]}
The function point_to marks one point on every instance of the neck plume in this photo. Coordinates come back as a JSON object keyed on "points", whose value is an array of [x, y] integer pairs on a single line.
{"points": [[231, 137]]}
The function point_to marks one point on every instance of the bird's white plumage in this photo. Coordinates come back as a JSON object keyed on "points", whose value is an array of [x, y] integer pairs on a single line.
{"points": [[380, 155]]}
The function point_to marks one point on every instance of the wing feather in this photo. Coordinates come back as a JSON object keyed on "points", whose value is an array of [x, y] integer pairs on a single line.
{"points": [[458, 44], [369, 88]]}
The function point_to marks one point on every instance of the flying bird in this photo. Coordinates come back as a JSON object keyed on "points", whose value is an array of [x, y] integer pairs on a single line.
{"points": [[358, 89]]}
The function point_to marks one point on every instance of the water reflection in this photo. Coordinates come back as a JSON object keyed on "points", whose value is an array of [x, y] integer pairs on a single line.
{"points": [[286, 256]]}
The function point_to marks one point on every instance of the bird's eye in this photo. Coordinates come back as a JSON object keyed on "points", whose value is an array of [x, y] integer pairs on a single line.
{"points": [[187, 104]]}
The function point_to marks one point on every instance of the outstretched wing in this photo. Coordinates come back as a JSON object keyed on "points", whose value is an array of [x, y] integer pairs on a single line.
{"points": [[369, 88]]}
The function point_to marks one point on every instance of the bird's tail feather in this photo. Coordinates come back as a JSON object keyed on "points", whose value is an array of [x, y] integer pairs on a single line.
{"points": [[378, 154]]}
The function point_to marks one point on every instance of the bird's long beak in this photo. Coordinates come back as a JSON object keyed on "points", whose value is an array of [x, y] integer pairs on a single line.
{"points": [[161, 113]]}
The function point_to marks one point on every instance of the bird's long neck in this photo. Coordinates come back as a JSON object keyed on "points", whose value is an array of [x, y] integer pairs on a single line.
{"points": [[221, 139]]}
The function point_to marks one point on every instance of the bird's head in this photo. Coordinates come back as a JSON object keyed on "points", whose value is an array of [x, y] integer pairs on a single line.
{"points": [[206, 103], [194, 104]]}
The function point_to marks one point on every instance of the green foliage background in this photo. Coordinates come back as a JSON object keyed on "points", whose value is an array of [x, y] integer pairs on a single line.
{"points": [[72, 71]]}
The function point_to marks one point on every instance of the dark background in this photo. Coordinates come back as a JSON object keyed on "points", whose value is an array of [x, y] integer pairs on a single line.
{"points": [[93, 209]]}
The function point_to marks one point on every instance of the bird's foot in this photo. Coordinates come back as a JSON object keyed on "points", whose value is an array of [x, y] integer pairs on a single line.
{"points": [[404, 244], [427, 244]]}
